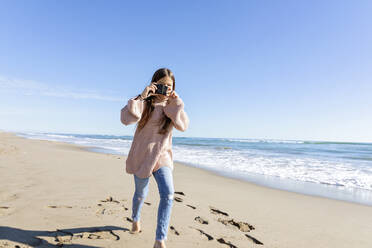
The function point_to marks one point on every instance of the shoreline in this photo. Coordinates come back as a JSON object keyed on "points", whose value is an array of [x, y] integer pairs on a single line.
{"points": [[328, 191], [53, 185]]}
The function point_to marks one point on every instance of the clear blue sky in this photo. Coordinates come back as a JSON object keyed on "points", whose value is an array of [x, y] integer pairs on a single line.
{"points": [[248, 69]]}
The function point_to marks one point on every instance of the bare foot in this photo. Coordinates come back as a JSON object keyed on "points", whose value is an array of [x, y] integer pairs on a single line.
{"points": [[159, 244], [136, 227]]}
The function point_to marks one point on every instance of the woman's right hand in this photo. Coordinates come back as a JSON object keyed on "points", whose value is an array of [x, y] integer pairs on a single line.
{"points": [[151, 88]]}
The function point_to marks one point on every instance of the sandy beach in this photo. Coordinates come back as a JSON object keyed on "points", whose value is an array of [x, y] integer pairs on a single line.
{"points": [[58, 194]]}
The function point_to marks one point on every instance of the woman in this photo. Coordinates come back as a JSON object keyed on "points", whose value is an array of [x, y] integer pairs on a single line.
{"points": [[151, 149]]}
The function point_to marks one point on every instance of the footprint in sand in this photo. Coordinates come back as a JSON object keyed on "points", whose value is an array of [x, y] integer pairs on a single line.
{"points": [[228, 243], [204, 234], [256, 241], [201, 220], [110, 235], [105, 206], [242, 226], [128, 219], [110, 199], [101, 211], [179, 199], [174, 231], [217, 211], [190, 206], [210, 237], [60, 206], [63, 237]]}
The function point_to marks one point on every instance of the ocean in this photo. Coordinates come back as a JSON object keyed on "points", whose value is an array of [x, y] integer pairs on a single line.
{"points": [[336, 170]]}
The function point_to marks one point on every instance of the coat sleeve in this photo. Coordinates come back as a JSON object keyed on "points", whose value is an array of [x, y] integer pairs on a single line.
{"points": [[175, 111], [132, 112]]}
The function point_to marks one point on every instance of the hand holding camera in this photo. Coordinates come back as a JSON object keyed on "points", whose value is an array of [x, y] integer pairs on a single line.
{"points": [[147, 90], [156, 89]]}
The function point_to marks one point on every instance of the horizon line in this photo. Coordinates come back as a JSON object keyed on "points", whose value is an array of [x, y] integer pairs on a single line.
{"points": [[119, 135]]}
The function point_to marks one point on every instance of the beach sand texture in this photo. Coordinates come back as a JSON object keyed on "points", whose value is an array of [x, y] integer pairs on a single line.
{"points": [[57, 194]]}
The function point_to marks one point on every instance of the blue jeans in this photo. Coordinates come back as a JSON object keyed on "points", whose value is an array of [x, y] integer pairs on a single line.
{"points": [[164, 179]]}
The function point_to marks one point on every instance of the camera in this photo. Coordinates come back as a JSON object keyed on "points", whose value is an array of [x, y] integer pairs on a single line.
{"points": [[161, 89]]}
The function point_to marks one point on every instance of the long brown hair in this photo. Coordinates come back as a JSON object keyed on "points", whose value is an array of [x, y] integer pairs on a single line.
{"points": [[149, 107]]}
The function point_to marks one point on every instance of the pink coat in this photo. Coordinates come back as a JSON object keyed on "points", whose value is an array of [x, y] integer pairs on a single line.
{"points": [[149, 150]]}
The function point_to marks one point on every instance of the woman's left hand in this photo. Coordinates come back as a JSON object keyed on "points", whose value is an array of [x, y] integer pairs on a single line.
{"points": [[173, 94]]}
